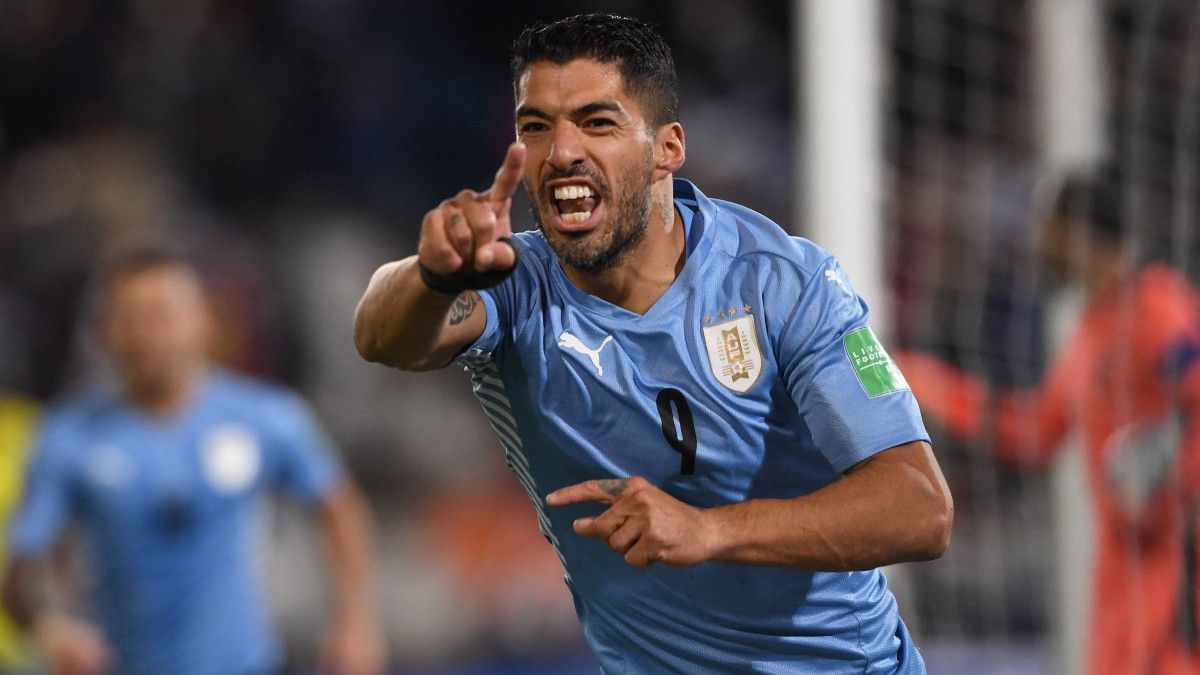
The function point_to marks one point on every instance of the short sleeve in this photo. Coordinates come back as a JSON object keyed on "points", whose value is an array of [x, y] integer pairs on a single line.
{"points": [[500, 302], [306, 466], [48, 500], [489, 340], [1167, 327], [849, 392]]}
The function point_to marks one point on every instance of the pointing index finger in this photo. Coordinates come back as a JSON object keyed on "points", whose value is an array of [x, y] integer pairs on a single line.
{"points": [[509, 175], [605, 490]]}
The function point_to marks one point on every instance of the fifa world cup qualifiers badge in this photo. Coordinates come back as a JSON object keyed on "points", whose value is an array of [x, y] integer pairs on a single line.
{"points": [[876, 371]]}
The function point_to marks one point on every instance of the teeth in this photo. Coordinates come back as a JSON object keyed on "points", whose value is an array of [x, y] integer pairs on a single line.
{"points": [[577, 217], [572, 192]]}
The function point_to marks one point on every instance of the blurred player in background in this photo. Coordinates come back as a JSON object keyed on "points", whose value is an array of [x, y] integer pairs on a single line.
{"points": [[1129, 379], [18, 416], [682, 361], [166, 476]]}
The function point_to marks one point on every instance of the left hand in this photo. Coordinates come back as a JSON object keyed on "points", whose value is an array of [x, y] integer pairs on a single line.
{"points": [[644, 524], [353, 646]]}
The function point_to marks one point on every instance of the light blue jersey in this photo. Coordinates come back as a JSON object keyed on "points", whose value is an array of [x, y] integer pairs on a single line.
{"points": [[752, 376], [170, 511]]}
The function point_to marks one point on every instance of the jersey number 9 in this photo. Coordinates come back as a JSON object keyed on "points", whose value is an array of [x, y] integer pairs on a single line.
{"points": [[678, 427]]}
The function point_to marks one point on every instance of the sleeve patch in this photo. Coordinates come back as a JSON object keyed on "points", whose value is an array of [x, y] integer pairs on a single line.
{"points": [[876, 371]]}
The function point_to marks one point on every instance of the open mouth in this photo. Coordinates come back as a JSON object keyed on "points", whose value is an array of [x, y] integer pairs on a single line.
{"points": [[575, 205]]}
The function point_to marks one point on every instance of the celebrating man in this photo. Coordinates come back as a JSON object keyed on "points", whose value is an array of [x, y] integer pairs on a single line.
{"points": [[709, 380]]}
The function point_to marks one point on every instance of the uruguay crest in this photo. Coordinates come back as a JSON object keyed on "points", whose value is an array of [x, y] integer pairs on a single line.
{"points": [[733, 353], [231, 458]]}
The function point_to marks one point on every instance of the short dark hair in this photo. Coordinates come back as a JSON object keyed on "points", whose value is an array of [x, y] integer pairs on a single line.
{"points": [[130, 261], [120, 264], [639, 52], [1095, 199]]}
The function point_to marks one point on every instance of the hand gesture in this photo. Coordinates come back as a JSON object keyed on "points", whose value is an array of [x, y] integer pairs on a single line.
{"points": [[644, 524], [462, 239]]}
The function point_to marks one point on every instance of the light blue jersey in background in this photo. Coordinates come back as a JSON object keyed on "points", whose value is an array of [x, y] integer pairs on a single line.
{"points": [[170, 511], [754, 375]]}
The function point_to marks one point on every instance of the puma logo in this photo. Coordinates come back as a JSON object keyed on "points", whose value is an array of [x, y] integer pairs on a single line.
{"points": [[832, 276], [568, 341]]}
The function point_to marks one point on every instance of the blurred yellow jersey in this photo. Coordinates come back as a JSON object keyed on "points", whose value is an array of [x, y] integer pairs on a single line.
{"points": [[17, 419]]}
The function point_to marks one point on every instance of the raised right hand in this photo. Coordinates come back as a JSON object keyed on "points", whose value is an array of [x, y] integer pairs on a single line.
{"points": [[460, 236]]}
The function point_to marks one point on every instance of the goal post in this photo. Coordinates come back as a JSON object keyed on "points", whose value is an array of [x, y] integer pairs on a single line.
{"points": [[839, 138], [1069, 88]]}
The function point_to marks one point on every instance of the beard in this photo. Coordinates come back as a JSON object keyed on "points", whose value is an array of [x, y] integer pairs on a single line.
{"points": [[624, 226]]}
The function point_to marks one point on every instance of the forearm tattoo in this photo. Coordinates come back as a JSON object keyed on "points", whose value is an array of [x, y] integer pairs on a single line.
{"points": [[614, 486], [463, 307]]}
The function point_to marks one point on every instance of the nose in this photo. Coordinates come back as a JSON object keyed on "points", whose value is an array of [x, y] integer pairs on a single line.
{"points": [[566, 149]]}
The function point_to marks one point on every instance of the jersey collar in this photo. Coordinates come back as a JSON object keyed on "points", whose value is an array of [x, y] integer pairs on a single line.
{"points": [[699, 234]]}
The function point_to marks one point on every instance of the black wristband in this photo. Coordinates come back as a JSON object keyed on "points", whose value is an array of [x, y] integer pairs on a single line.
{"points": [[453, 284]]}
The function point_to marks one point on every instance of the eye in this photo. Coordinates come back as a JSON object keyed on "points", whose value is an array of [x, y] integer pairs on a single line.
{"points": [[532, 127], [599, 122]]}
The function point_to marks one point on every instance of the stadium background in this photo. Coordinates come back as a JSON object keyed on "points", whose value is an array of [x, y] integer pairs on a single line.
{"points": [[294, 146]]}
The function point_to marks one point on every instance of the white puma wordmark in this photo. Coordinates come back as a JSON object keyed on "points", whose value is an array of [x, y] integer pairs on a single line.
{"points": [[568, 341]]}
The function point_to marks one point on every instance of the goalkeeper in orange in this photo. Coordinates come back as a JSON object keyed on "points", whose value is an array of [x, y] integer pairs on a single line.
{"points": [[1128, 379]]}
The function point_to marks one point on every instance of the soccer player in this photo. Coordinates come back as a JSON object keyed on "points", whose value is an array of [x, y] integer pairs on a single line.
{"points": [[1129, 379], [165, 475], [717, 447]]}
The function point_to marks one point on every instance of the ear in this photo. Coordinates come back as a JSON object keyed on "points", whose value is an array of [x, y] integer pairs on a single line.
{"points": [[670, 150]]}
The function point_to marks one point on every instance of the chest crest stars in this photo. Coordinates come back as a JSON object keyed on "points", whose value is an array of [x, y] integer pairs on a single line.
{"points": [[731, 340]]}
